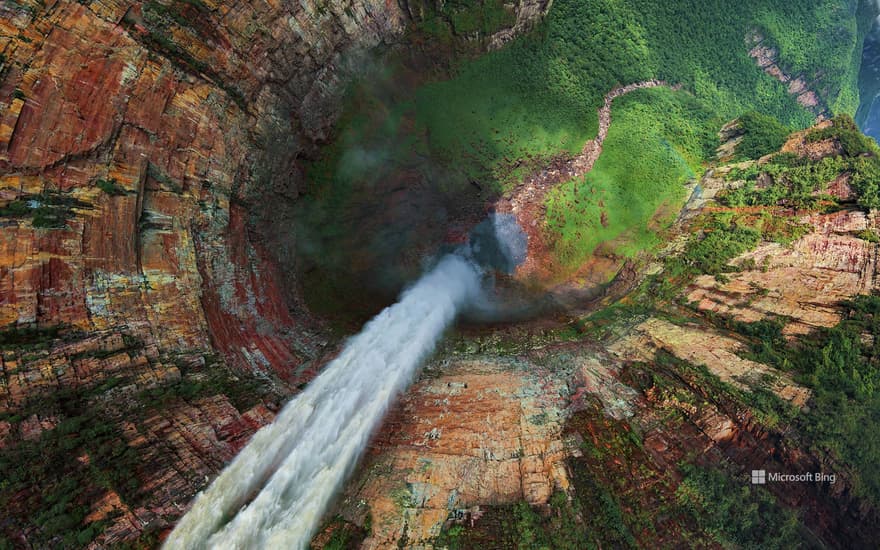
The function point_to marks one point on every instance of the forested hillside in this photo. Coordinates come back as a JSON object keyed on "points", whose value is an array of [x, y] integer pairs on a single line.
{"points": [[499, 117]]}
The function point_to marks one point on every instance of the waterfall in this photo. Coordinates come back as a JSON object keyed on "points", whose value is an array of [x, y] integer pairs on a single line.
{"points": [[276, 491]]}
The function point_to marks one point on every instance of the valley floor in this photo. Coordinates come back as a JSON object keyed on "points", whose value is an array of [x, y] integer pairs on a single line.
{"points": [[640, 424]]}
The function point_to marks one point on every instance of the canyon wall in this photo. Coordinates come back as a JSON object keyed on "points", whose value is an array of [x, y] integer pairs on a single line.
{"points": [[132, 146], [149, 158], [145, 135], [599, 426], [145, 148]]}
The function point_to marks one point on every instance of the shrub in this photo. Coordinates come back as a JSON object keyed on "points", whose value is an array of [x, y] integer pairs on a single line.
{"points": [[15, 209], [111, 187], [869, 235], [712, 253], [841, 368], [736, 514], [762, 134]]}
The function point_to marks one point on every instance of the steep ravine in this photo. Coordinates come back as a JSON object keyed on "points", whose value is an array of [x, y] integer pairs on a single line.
{"points": [[142, 289], [153, 158], [527, 200], [604, 428]]}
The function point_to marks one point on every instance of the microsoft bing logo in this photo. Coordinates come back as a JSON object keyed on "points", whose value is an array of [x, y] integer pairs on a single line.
{"points": [[759, 477]]}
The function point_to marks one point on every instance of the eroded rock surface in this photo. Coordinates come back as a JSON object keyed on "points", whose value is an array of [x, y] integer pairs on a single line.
{"points": [[132, 142], [141, 143], [131, 164], [805, 281], [767, 59], [480, 432]]}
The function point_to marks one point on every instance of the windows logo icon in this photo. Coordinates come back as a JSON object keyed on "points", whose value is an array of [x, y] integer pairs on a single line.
{"points": [[759, 477]]}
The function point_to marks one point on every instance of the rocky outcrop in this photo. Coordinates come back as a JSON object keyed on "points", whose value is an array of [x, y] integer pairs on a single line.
{"points": [[184, 446], [720, 354], [85, 363], [767, 59], [529, 13], [805, 281], [131, 153], [478, 433]]}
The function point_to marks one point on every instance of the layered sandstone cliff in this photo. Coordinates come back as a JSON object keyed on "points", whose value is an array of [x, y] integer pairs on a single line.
{"points": [[152, 325], [132, 138], [143, 286]]}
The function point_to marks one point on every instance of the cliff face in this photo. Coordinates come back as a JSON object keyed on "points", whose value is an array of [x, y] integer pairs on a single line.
{"points": [[148, 161], [621, 430], [132, 140], [144, 281], [138, 137]]}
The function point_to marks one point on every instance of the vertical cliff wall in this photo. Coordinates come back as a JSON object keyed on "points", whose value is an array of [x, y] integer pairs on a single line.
{"points": [[148, 164], [133, 140], [130, 138]]}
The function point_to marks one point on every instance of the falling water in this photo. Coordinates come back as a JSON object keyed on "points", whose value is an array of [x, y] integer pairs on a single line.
{"points": [[292, 468]]}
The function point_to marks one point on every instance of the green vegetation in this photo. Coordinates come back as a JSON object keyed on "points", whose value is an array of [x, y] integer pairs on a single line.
{"points": [[507, 113], [821, 40], [540, 94], [48, 210], [841, 365], [48, 484], [712, 253], [197, 383], [521, 526], [718, 239], [622, 498], [763, 404], [761, 135], [16, 338], [15, 209], [464, 18], [764, 212], [869, 235], [606, 522], [647, 159], [44, 477], [111, 187], [798, 181], [846, 133], [25, 7], [736, 514]]}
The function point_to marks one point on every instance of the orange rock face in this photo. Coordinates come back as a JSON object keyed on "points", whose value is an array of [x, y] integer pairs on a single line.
{"points": [[805, 281], [141, 145], [479, 433], [130, 147], [163, 253], [717, 352], [130, 172]]}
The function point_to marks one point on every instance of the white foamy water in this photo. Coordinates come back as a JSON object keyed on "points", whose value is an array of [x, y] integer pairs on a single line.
{"points": [[292, 468]]}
